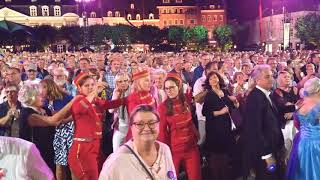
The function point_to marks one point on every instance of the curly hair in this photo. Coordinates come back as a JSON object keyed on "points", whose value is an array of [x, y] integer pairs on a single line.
{"points": [[207, 85]]}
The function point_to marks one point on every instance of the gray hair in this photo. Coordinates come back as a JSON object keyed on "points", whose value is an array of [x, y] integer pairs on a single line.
{"points": [[311, 87], [61, 69], [28, 94], [257, 71]]}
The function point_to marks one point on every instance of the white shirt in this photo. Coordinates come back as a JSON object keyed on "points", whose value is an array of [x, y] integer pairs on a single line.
{"points": [[20, 159], [123, 165], [265, 92], [35, 81], [198, 88]]}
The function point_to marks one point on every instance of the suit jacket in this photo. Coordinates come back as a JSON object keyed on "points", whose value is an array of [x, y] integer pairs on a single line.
{"points": [[261, 127]]}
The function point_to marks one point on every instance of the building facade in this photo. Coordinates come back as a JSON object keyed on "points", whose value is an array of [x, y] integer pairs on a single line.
{"points": [[161, 13], [40, 12], [278, 22]]}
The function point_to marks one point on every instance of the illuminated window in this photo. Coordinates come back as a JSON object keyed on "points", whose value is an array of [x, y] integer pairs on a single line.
{"points": [[57, 10], [166, 1], [132, 6], [221, 17], [117, 14], [138, 17], [203, 18], [33, 11], [129, 17], [151, 16], [45, 11], [109, 14], [93, 14], [209, 18]]}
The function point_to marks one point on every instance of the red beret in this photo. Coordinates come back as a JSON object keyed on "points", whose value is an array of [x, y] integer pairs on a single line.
{"points": [[175, 76], [140, 74], [79, 77]]}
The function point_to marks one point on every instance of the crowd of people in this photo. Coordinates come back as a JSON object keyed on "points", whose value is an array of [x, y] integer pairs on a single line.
{"points": [[116, 116]]}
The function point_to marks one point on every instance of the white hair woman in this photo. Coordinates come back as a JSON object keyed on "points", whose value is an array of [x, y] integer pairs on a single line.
{"points": [[143, 157], [121, 116], [36, 121]]}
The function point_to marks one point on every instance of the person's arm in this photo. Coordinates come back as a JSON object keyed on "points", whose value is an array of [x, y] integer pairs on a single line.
{"points": [[40, 120], [255, 114], [163, 127], [199, 98]]}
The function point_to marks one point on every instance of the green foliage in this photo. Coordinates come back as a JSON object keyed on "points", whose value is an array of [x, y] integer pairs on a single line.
{"points": [[223, 36], [308, 29], [178, 35], [198, 35], [150, 35]]}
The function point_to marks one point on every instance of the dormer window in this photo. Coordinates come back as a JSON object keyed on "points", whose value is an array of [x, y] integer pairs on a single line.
{"points": [[33, 1], [166, 1], [117, 14], [178, 1], [151, 16], [57, 0], [57, 10], [129, 17], [45, 10], [7, 1], [109, 14], [93, 15], [33, 11], [132, 6], [138, 17], [212, 6]]}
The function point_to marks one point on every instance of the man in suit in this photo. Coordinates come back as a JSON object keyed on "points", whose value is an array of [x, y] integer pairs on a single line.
{"points": [[262, 137]]}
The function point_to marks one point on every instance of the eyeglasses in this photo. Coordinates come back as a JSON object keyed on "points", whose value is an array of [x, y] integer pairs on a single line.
{"points": [[169, 88], [122, 81], [141, 125]]}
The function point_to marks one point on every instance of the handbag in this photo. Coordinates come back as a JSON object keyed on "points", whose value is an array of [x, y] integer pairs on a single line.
{"points": [[141, 163]]}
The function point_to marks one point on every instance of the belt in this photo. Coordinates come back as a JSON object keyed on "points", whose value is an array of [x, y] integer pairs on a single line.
{"points": [[83, 139]]}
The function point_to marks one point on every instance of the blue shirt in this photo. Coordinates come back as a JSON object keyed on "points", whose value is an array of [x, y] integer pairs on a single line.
{"points": [[197, 73]]}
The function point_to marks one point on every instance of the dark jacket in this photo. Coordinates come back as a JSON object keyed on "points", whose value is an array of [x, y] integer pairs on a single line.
{"points": [[261, 128]]}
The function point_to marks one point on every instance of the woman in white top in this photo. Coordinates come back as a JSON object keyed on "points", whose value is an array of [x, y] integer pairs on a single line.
{"points": [[142, 157]]}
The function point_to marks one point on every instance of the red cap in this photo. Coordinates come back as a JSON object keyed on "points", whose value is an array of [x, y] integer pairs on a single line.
{"points": [[140, 74], [80, 76], [175, 76]]}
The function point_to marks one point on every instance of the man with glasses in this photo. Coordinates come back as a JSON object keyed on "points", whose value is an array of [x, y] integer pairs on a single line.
{"points": [[13, 76], [10, 112]]}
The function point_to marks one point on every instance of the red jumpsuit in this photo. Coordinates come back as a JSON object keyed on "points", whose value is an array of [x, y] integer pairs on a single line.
{"points": [[85, 157], [135, 99], [180, 133]]}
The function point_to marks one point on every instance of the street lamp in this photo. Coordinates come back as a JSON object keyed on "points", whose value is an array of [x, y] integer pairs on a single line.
{"points": [[84, 16]]}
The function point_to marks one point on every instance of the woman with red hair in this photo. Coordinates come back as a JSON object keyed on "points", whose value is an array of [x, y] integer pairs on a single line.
{"points": [[85, 156]]}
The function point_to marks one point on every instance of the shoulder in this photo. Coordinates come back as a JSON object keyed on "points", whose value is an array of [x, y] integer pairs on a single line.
{"points": [[278, 92], [117, 160]]}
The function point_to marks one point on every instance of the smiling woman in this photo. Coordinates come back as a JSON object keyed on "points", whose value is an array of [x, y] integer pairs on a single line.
{"points": [[143, 157]]}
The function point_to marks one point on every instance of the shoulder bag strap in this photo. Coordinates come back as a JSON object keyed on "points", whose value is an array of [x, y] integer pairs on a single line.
{"points": [[142, 164]]}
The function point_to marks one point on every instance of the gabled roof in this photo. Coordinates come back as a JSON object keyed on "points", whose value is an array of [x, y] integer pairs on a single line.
{"points": [[6, 12]]}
